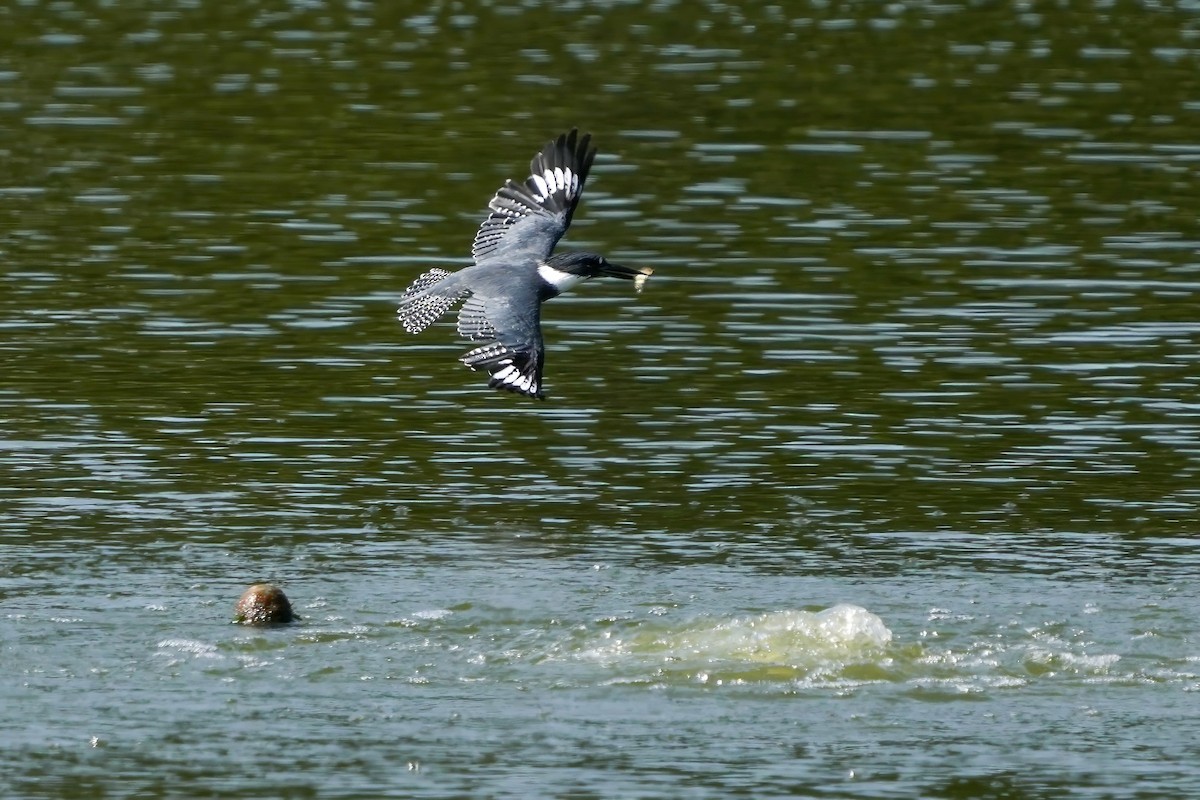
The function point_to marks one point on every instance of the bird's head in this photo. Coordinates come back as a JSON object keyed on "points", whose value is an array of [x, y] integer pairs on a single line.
{"points": [[590, 265]]}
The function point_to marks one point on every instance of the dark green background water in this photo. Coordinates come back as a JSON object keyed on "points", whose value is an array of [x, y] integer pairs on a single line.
{"points": [[921, 339]]}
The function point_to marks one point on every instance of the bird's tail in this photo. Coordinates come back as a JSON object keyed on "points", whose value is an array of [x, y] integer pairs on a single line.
{"points": [[429, 296]]}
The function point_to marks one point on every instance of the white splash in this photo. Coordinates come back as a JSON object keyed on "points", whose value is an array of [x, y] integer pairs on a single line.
{"points": [[776, 645]]}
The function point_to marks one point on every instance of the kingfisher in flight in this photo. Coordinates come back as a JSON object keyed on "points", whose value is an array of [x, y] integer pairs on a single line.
{"points": [[516, 270]]}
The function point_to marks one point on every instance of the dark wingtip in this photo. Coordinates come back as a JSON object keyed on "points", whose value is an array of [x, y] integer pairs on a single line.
{"points": [[585, 152], [505, 387], [578, 149]]}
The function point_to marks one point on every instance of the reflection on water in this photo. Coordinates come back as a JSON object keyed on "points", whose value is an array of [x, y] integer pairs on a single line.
{"points": [[921, 341]]}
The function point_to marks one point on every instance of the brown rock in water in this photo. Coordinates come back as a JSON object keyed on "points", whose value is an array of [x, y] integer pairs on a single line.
{"points": [[263, 604]]}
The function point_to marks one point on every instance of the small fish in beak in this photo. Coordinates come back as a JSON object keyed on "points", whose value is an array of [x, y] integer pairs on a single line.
{"points": [[638, 275]]}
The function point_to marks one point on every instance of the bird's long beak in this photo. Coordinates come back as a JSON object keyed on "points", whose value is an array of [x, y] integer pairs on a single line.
{"points": [[636, 274]]}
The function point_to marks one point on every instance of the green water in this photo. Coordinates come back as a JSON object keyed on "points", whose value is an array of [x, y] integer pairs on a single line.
{"points": [[885, 485]]}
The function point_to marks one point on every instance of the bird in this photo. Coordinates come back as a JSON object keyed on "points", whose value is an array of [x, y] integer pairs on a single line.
{"points": [[515, 269]]}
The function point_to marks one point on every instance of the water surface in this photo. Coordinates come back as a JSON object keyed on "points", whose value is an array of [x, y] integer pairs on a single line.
{"points": [[884, 486]]}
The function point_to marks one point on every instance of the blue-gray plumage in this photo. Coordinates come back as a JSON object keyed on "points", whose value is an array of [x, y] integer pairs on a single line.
{"points": [[514, 271]]}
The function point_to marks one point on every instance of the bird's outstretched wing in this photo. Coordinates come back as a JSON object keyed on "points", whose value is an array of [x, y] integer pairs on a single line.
{"points": [[511, 329], [529, 218]]}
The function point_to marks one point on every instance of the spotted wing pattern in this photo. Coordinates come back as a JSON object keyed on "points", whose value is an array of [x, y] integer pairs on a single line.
{"points": [[525, 222], [531, 217], [473, 323], [513, 356], [514, 371]]}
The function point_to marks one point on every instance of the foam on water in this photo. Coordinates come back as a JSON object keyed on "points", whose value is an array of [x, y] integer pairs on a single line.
{"points": [[179, 649], [772, 646]]}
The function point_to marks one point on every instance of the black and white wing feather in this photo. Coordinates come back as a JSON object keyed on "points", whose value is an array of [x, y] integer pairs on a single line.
{"points": [[507, 325], [531, 217], [513, 355], [501, 311]]}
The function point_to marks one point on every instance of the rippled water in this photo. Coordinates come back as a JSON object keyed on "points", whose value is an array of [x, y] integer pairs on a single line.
{"points": [[884, 486]]}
